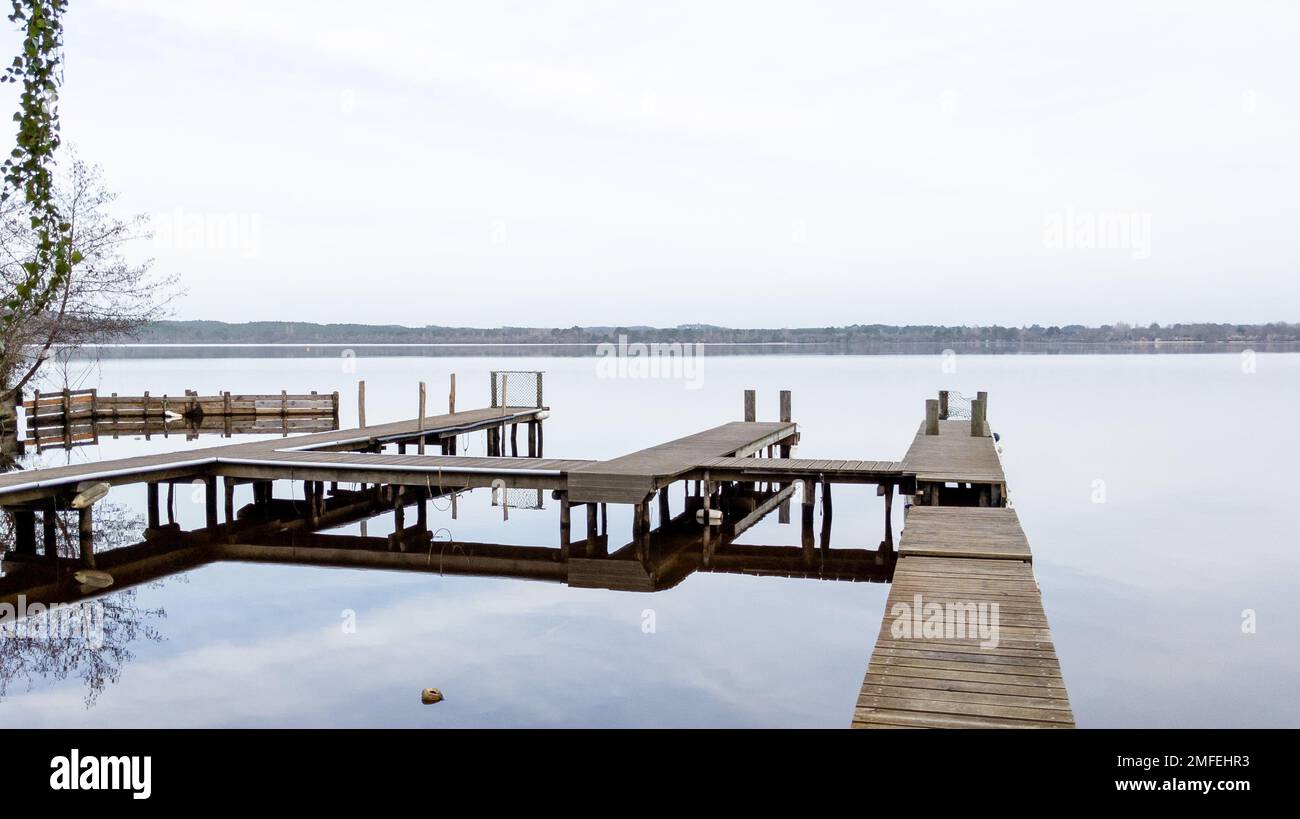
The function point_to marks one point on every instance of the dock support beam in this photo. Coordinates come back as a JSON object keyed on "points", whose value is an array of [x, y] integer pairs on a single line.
{"points": [[86, 535], [49, 520], [210, 501], [24, 521], [152, 503]]}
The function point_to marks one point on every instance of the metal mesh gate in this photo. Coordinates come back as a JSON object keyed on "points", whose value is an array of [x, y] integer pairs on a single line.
{"points": [[517, 388], [958, 405]]}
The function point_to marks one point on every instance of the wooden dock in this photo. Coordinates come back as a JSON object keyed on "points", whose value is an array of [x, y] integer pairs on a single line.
{"points": [[965, 641], [962, 553]]}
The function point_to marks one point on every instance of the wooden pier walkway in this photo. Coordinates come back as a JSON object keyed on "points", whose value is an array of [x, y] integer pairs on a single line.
{"points": [[964, 642], [987, 661]]}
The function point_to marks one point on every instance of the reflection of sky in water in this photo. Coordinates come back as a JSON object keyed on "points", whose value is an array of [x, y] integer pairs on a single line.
{"points": [[1144, 592]]}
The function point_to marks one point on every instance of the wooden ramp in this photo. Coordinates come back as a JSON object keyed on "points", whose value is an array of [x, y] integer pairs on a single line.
{"points": [[631, 478], [949, 672]]}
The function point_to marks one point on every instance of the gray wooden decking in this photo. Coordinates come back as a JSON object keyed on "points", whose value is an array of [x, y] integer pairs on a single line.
{"points": [[958, 558], [954, 455], [632, 478], [16, 487]]}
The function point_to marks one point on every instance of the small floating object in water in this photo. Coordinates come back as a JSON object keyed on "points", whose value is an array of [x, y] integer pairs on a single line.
{"points": [[709, 517], [430, 695], [88, 493], [93, 578]]}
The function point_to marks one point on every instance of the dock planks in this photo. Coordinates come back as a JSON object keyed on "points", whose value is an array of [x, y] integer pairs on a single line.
{"points": [[959, 557], [953, 455], [17, 487], [631, 478]]}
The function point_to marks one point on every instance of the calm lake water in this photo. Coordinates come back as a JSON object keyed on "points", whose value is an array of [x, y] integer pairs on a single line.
{"points": [[1157, 492]]}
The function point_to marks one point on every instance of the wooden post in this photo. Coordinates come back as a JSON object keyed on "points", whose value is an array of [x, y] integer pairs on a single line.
{"points": [[420, 424], [24, 521], [806, 522], [943, 405], [334, 403], [284, 403], [977, 417], [751, 405], [591, 529], [532, 439], [171, 502], [889, 513], [152, 503], [931, 416], [210, 500], [361, 404], [564, 524], [86, 535], [505, 382], [514, 440], [49, 521], [230, 499], [665, 512]]}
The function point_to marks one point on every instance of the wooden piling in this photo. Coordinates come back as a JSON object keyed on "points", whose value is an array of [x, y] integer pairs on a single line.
{"points": [[451, 395], [361, 404], [152, 504], [751, 405], [943, 405], [210, 500], [931, 416], [86, 535], [420, 421]]}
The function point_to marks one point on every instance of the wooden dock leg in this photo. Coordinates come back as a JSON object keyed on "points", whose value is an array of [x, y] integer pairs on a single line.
{"points": [[564, 525], [889, 513], [49, 521], [665, 512], [708, 530], [809, 506], [532, 439], [827, 514], [24, 522], [151, 502], [539, 439], [604, 519], [210, 501], [422, 510], [230, 500], [514, 440], [399, 511], [591, 530], [420, 421], [401, 447], [86, 535], [171, 502]]}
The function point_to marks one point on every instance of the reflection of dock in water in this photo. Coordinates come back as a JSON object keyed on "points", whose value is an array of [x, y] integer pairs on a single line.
{"points": [[961, 544]]}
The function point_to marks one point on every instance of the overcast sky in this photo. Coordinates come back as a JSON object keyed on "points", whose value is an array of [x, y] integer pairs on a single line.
{"points": [[749, 164]]}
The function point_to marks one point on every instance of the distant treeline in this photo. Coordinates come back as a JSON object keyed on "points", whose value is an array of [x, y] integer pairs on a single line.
{"points": [[292, 332]]}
